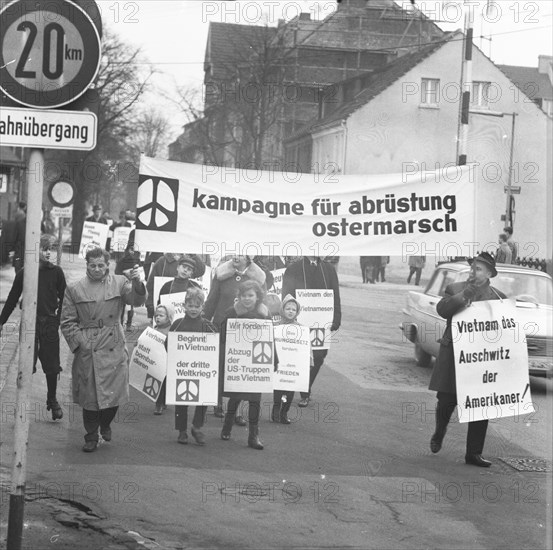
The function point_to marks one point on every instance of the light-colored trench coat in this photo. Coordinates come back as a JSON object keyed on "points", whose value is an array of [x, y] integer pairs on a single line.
{"points": [[90, 322]]}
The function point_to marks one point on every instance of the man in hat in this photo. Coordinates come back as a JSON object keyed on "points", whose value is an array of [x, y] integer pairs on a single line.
{"points": [[97, 215], [458, 296]]}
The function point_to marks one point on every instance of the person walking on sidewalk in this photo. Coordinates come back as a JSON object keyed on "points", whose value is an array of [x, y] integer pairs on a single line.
{"points": [[91, 324], [163, 319], [192, 322], [416, 265], [249, 305], [282, 400], [313, 273], [457, 297], [51, 289]]}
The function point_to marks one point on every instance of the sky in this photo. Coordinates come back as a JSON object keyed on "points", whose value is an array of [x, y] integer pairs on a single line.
{"points": [[173, 33]]}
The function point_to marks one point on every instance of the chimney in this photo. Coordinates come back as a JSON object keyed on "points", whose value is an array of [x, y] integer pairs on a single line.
{"points": [[545, 66], [305, 16]]}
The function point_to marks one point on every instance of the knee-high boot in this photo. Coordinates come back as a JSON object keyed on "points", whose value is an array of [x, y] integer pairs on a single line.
{"points": [[227, 425], [253, 438]]}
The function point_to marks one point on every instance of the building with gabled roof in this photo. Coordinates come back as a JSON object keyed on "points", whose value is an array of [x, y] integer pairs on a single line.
{"points": [[403, 118], [535, 82]]}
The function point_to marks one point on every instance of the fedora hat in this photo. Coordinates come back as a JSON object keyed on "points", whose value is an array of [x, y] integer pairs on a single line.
{"points": [[487, 259]]}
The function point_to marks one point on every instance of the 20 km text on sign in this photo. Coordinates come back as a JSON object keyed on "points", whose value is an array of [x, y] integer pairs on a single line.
{"points": [[49, 52]]}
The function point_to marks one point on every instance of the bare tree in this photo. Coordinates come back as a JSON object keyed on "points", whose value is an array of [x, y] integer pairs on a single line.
{"points": [[239, 113], [112, 167], [152, 129]]}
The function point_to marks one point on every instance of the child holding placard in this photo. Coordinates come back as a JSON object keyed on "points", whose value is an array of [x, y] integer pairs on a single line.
{"points": [[282, 400], [248, 305], [163, 318], [191, 322]]}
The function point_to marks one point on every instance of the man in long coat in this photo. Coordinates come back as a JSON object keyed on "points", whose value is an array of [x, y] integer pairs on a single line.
{"points": [[458, 296], [91, 324]]}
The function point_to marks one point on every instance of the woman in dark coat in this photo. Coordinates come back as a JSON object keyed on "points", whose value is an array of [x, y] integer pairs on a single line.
{"points": [[458, 296], [249, 305]]}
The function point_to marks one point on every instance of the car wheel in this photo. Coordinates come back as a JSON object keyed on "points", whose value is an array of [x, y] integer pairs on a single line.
{"points": [[423, 359]]}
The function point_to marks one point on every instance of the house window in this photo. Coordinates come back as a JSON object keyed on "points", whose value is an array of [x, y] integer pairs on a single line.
{"points": [[430, 90], [480, 95]]}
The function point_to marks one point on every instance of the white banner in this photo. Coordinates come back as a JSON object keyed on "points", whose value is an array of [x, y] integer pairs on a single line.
{"points": [[192, 368], [148, 364], [293, 351], [94, 235], [210, 210], [491, 362], [249, 356], [120, 238], [176, 301], [317, 312]]}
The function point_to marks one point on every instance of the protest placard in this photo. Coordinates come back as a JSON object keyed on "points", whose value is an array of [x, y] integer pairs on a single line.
{"points": [[293, 350], [249, 356], [148, 364], [176, 301], [120, 239], [158, 283], [491, 361], [278, 274], [192, 368], [317, 312], [94, 235]]}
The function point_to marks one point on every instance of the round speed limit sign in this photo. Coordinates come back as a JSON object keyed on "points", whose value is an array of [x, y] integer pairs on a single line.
{"points": [[49, 52]]}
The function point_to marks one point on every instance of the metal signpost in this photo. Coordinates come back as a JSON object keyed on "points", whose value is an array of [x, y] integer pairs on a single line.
{"points": [[49, 55]]}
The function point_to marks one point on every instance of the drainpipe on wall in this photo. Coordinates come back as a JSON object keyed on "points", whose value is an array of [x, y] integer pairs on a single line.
{"points": [[344, 144]]}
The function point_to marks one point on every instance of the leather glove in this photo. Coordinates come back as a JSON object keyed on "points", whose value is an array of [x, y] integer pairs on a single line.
{"points": [[469, 293]]}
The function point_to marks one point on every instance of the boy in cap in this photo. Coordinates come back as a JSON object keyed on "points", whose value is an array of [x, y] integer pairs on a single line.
{"points": [[187, 269]]}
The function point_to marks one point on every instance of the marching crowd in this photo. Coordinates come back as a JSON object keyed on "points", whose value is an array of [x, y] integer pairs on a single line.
{"points": [[90, 314]]}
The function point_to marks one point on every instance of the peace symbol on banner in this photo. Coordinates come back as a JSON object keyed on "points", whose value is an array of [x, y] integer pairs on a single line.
{"points": [[188, 390], [157, 203], [262, 353], [151, 386], [317, 337]]}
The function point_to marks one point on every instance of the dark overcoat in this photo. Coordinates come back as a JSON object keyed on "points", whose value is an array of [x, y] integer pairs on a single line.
{"points": [[443, 375]]}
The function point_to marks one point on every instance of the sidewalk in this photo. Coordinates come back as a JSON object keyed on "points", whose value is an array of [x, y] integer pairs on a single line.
{"points": [[49, 522]]}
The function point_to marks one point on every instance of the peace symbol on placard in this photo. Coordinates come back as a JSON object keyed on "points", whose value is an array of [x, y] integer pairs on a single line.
{"points": [[262, 353], [188, 390], [317, 337], [151, 386]]}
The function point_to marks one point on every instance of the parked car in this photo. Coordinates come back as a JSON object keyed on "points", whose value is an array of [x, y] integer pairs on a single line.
{"points": [[532, 289]]}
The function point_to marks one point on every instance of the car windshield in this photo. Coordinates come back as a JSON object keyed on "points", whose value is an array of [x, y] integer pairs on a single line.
{"points": [[529, 286]]}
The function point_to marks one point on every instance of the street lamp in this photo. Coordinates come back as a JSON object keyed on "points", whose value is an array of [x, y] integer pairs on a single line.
{"points": [[509, 189]]}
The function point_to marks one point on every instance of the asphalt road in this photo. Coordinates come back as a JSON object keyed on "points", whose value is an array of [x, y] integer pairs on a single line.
{"points": [[353, 470]]}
